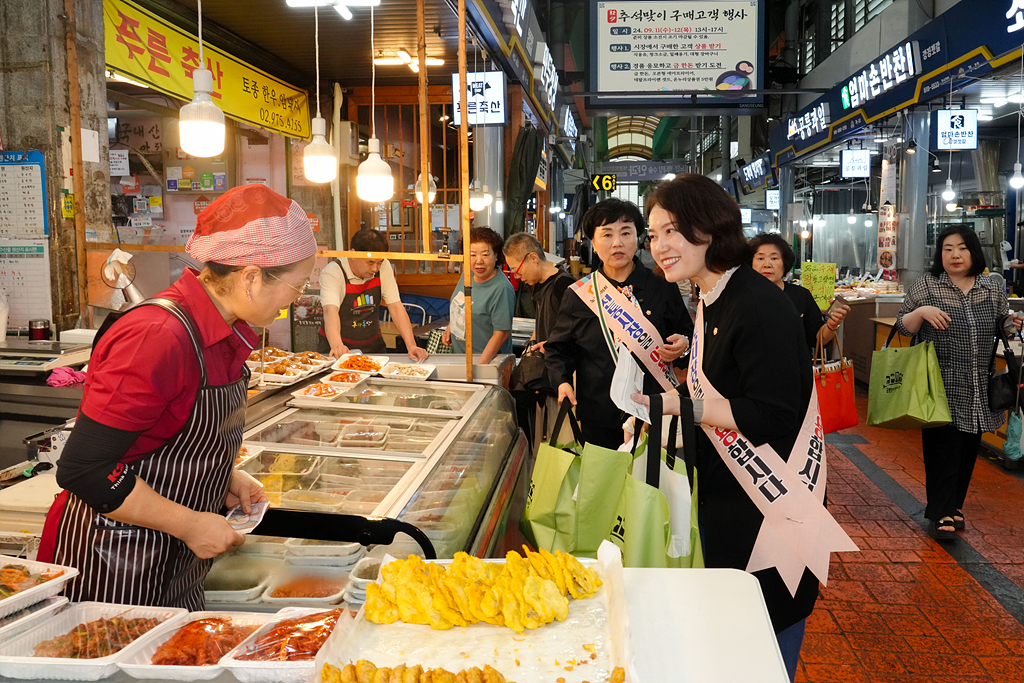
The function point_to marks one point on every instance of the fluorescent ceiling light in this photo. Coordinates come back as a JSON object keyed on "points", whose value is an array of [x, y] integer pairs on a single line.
{"points": [[404, 56], [984, 117], [415, 66], [387, 61], [362, 3], [308, 3], [991, 100], [344, 11], [431, 61], [1016, 98]]}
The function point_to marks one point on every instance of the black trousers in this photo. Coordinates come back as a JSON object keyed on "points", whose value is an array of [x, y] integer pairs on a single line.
{"points": [[949, 457]]}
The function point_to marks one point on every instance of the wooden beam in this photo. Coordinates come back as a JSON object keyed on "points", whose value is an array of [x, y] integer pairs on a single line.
{"points": [[77, 167], [424, 107], [464, 190]]}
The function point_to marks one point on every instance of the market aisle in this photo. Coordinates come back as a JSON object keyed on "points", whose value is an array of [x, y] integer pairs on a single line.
{"points": [[906, 608]]}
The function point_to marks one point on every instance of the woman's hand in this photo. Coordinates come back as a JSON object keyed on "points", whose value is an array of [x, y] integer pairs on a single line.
{"points": [[565, 392], [538, 347], [338, 350], [446, 336], [676, 345], [244, 490], [417, 354], [669, 402], [210, 535], [934, 316], [836, 318]]}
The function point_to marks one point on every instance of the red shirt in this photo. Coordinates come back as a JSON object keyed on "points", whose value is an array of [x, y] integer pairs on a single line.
{"points": [[144, 374]]}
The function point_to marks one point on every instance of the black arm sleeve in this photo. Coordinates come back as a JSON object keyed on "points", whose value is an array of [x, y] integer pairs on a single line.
{"points": [[91, 467], [560, 347]]}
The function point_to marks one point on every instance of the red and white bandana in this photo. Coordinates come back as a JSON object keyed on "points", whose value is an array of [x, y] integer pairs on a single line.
{"points": [[252, 225]]}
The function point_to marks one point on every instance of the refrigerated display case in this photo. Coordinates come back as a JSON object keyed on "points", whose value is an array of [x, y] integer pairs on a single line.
{"points": [[442, 456]]}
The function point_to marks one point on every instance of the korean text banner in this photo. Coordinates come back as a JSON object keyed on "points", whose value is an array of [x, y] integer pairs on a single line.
{"points": [[150, 50], [647, 47]]}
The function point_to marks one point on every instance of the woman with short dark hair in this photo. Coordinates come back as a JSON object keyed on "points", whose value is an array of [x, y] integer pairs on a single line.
{"points": [[749, 377], [493, 299], [577, 348], [957, 308], [773, 257]]}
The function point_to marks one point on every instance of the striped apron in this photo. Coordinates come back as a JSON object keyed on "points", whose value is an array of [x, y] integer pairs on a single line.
{"points": [[121, 563]]}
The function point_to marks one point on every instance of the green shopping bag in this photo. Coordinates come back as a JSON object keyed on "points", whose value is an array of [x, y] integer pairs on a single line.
{"points": [[577, 501], [905, 390]]}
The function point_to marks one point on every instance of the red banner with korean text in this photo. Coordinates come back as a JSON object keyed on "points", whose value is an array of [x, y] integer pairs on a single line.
{"points": [[148, 49]]}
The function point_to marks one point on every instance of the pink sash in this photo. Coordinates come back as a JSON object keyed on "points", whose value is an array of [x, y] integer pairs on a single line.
{"points": [[797, 530]]}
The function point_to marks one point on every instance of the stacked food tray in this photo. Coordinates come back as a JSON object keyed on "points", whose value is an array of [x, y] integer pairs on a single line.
{"points": [[25, 583], [276, 366]]}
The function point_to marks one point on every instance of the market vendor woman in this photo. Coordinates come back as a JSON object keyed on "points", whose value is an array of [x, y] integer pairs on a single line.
{"points": [[149, 465]]}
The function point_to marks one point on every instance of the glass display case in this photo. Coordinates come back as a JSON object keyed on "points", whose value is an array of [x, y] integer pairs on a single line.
{"points": [[442, 456]]}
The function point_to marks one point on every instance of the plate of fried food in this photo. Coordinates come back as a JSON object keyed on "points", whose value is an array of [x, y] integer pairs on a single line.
{"points": [[312, 358], [537, 617], [360, 363]]}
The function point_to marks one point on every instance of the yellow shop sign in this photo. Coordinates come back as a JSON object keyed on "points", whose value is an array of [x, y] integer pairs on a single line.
{"points": [[148, 49]]}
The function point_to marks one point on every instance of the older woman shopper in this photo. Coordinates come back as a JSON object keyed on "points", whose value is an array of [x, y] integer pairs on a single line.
{"points": [[749, 373], [957, 308], [773, 257], [150, 461], [493, 299], [577, 346]]}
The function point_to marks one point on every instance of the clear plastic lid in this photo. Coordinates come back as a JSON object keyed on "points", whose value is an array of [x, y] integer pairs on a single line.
{"points": [[292, 639]]}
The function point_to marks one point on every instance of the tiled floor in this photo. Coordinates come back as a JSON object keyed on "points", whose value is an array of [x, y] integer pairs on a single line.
{"points": [[902, 609]]}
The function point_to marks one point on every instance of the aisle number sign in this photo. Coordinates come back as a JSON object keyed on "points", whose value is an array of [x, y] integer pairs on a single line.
{"points": [[148, 49], [604, 182], [820, 279]]}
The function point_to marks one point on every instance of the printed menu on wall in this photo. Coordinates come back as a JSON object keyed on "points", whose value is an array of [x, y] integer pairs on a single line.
{"points": [[25, 279], [22, 195]]}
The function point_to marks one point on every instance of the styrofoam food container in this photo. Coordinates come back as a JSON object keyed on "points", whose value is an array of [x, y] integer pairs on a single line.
{"points": [[290, 576], [16, 660], [31, 596], [301, 546], [262, 671], [40, 611], [137, 663], [380, 360], [424, 371]]}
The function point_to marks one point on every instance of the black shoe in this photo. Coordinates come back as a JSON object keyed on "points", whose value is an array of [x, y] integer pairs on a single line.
{"points": [[958, 524], [944, 529]]}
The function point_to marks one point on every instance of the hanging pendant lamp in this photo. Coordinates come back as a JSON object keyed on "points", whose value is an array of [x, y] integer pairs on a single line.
{"points": [[431, 188], [319, 158], [201, 122], [374, 182]]}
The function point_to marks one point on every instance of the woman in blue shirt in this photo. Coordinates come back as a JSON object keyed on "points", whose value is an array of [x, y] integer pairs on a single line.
{"points": [[493, 301]]}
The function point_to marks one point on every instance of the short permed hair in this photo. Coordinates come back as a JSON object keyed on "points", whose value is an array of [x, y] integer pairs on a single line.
{"points": [[489, 237], [523, 243], [972, 243], [774, 240], [613, 210], [368, 240], [705, 214]]}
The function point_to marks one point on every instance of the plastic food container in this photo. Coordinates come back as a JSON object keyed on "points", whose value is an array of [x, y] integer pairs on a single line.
{"points": [[30, 617], [381, 361], [263, 671], [409, 371], [250, 452], [327, 392], [334, 580], [372, 436], [398, 425], [366, 571], [138, 663], [30, 596], [346, 378], [240, 577], [262, 545], [282, 463], [17, 658], [315, 501], [305, 546]]}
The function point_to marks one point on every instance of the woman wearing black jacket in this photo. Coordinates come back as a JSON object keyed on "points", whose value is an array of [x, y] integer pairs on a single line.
{"points": [[749, 373], [576, 345]]}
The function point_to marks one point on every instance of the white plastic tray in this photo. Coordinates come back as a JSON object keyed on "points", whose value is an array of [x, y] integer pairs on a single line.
{"points": [[267, 671], [31, 596], [43, 611], [295, 546], [381, 360], [362, 376], [340, 564], [391, 370], [16, 660], [252, 451], [355, 582], [325, 602], [301, 393], [260, 565], [137, 663]]}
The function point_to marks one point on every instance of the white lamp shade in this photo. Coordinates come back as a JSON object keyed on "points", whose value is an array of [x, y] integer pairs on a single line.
{"points": [[949, 194], [476, 201], [488, 199], [431, 189], [320, 159], [374, 182], [851, 219], [201, 122]]}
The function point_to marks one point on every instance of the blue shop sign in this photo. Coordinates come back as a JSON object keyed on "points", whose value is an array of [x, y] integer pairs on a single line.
{"points": [[967, 41]]}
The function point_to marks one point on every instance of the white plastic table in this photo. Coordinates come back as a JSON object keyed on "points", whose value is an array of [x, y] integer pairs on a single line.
{"points": [[701, 625]]}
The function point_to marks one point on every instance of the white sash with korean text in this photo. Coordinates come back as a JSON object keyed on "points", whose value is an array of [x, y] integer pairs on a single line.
{"points": [[797, 530], [629, 325]]}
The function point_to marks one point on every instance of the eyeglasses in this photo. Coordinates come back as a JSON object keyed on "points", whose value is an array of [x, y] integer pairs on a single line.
{"points": [[301, 290], [520, 267]]}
